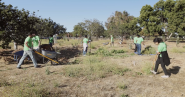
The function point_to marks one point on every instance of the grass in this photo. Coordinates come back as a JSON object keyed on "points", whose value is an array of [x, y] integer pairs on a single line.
{"points": [[123, 95], [178, 50], [93, 68], [47, 71], [146, 68]]}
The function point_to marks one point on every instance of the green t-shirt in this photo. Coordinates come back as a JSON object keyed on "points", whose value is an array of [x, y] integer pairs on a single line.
{"points": [[51, 40], [135, 38], [112, 39], [162, 47], [139, 40], [35, 41], [29, 40], [85, 40]]}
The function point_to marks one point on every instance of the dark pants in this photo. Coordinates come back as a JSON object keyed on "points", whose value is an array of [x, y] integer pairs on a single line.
{"points": [[50, 44], [160, 61], [135, 47]]}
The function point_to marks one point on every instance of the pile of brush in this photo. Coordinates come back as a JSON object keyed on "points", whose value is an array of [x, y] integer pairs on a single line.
{"points": [[148, 50]]}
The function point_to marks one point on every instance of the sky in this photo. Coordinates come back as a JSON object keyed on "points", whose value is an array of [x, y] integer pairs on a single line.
{"points": [[70, 12]]}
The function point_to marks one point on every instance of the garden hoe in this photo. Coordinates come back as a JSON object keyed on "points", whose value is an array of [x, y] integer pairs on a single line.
{"points": [[154, 61]]}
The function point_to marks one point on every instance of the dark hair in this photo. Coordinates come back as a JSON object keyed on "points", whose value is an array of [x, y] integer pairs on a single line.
{"points": [[159, 40], [138, 35], [85, 36], [51, 35]]}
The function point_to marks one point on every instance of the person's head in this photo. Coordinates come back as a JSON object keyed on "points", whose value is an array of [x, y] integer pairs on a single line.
{"points": [[85, 36], [51, 35], [138, 35], [31, 34], [157, 41]]}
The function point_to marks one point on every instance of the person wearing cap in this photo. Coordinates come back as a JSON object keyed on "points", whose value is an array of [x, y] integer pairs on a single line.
{"points": [[163, 57], [139, 41], [28, 51]]}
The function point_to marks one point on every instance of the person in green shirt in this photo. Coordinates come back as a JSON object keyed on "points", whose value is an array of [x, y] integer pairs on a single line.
{"points": [[28, 51], [112, 41], [163, 57], [85, 45], [135, 39], [139, 41], [51, 40], [36, 42]]}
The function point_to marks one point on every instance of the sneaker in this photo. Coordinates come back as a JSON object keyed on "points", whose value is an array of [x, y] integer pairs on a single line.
{"points": [[18, 67], [165, 76], [153, 71]]}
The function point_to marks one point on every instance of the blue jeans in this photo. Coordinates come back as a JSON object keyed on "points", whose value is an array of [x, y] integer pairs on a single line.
{"points": [[138, 49], [85, 51], [25, 54], [51, 44]]}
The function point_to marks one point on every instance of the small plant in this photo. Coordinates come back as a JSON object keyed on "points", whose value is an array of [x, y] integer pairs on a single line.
{"points": [[138, 73], [123, 95], [56, 85], [30, 84], [47, 71], [117, 51], [122, 86]]}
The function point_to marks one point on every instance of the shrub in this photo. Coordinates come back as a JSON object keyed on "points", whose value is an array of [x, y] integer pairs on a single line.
{"points": [[103, 52]]}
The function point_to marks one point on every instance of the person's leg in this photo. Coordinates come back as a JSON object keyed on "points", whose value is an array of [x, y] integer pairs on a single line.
{"points": [[135, 48], [157, 65], [163, 67], [30, 53], [22, 59], [139, 49]]}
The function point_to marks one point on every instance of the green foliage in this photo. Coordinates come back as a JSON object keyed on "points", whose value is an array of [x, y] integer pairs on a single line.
{"points": [[16, 24], [103, 52], [117, 51], [149, 50], [122, 86]]}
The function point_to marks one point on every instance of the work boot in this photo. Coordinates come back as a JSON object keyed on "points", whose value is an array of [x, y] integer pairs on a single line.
{"points": [[153, 71]]}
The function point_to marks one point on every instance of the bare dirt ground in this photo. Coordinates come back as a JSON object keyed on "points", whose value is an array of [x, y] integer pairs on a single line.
{"points": [[138, 85]]}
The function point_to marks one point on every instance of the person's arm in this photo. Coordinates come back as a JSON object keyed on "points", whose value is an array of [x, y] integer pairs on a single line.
{"points": [[27, 45]]}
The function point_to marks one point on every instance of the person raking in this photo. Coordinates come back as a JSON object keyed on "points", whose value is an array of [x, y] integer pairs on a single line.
{"points": [[163, 57], [28, 51]]}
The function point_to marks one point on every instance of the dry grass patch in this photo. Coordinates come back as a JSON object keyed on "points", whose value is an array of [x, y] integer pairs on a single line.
{"points": [[178, 50]]}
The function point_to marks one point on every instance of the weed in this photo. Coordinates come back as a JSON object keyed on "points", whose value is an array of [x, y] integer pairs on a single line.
{"points": [[30, 84], [4, 83], [122, 86], [103, 52], [117, 51], [47, 71], [138, 73], [123, 95], [56, 84]]}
